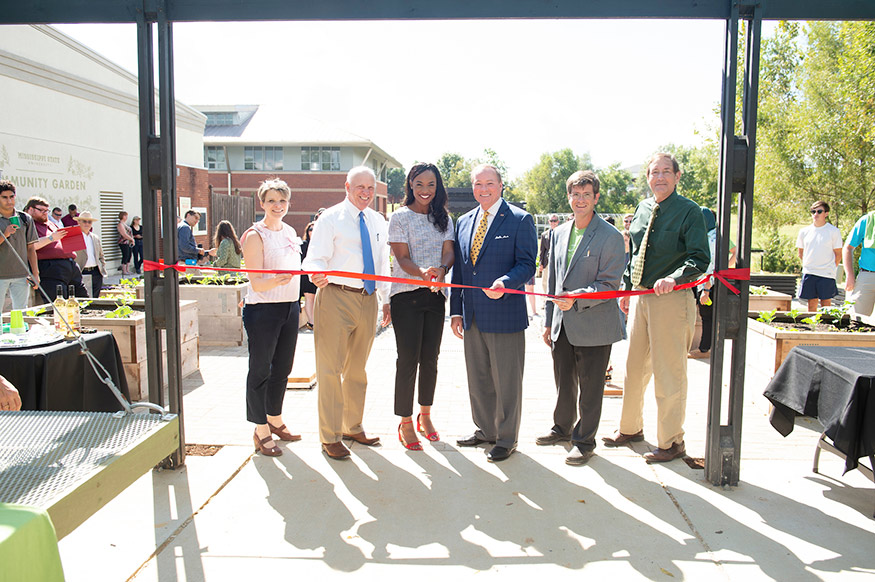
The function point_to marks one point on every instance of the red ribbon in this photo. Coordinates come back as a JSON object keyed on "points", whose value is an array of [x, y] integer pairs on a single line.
{"points": [[722, 276]]}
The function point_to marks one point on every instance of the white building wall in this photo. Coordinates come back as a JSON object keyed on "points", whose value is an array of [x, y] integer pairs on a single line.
{"points": [[69, 124]]}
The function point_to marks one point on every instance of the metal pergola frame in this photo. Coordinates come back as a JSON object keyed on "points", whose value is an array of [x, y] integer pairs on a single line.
{"points": [[737, 152]]}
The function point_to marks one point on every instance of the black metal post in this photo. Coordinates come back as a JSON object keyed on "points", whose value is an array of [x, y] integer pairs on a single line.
{"points": [[148, 185], [167, 119], [723, 442]]}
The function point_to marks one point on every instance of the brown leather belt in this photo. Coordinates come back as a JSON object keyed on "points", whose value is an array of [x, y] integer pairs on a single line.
{"points": [[359, 290]]}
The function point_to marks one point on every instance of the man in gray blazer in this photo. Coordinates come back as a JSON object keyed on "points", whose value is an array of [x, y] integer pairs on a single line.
{"points": [[587, 255]]}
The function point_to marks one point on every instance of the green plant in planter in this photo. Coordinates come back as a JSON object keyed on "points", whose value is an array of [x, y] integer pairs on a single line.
{"points": [[128, 283], [756, 290], [794, 313], [767, 316], [836, 311], [123, 308], [813, 320], [188, 277]]}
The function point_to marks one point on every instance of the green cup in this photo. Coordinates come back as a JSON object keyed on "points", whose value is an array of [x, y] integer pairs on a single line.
{"points": [[16, 321], [15, 220]]}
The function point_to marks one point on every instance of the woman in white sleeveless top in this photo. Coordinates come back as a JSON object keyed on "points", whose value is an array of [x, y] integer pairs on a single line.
{"points": [[270, 315]]}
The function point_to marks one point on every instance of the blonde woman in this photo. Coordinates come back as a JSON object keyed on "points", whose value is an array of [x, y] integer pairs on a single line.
{"points": [[270, 315]]}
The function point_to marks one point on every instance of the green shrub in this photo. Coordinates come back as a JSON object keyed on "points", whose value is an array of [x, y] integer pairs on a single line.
{"points": [[780, 254]]}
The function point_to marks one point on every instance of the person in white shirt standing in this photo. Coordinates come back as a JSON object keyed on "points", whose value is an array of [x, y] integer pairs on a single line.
{"points": [[271, 315], [349, 237], [820, 250], [91, 261]]}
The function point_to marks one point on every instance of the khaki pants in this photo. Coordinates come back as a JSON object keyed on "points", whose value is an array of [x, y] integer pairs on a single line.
{"points": [[660, 335], [342, 340], [863, 294]]}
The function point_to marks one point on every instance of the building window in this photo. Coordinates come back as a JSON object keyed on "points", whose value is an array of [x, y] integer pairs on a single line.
{"points": [[221, 118], [214, 158], [266, 159], [317, 159]]}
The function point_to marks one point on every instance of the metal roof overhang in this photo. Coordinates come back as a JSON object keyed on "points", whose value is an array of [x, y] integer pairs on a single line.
{"points": [[81, 11]]}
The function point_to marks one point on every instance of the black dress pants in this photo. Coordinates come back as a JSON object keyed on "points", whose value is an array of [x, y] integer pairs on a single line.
{"points": [[580, 383], [706, 312], [272, 331], [96, 280], [65, 272], [418, 320]]}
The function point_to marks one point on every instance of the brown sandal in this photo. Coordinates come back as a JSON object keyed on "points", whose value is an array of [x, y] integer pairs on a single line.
{"points": [[260, 447], [283, 433]]}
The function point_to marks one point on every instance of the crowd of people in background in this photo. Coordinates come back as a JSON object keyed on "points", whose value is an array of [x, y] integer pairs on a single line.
{"points": [[34, 257], [668, 241]]}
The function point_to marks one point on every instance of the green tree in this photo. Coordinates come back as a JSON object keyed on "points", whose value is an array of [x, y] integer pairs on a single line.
{"points": [[617, 194], [395, 179], [455, 170], [816, 131], [544, 184]]}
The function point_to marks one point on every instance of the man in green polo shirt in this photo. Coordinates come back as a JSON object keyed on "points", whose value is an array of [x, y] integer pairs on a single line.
{"points": [[669, 247]]}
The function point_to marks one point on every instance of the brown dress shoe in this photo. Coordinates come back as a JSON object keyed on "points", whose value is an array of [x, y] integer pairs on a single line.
{"points": [[283, 433], [336, 450], [362, 439], [619, 439], [552, 438], [699, 355], [665, 455]]}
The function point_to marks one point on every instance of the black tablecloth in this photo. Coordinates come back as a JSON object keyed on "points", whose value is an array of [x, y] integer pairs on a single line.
{"points": [[833, 384], [59, 377]]}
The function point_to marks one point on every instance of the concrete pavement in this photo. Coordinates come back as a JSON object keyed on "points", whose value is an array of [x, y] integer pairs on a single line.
{"points": [[446, 512]]}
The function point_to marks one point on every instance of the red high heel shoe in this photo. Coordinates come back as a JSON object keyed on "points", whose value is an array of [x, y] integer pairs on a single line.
{"points": [[416, 446], [432, 436]]}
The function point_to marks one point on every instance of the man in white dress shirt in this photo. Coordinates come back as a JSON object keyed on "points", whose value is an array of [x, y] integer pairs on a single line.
{"points": [[346, 308]]}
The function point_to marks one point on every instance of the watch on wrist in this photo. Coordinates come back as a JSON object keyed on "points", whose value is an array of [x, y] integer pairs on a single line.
{"points": [[445, 268]]}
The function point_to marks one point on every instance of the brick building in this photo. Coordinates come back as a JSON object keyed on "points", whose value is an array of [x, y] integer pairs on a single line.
{"points": [[246, 144]]}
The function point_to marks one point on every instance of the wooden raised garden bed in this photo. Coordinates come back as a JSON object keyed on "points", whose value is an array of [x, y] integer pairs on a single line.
{"points": [[220, 319], [769, 343], [770, 301], [130, 335]]}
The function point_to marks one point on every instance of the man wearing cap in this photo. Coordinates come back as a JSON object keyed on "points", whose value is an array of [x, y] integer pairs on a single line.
{"points": [[669, 248], [90, 260]]}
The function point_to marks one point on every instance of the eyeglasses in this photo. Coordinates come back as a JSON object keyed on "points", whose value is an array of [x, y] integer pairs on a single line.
{"points": [[584, 196], [554, 220], [38, 209], [818, 211], [86, 221], [666, 173]]}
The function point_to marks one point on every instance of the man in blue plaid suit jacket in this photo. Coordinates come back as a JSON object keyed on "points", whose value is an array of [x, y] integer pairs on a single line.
{"points": [[496, 245]]}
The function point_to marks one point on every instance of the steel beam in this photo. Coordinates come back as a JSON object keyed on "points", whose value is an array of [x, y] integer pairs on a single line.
{"points": [[737, 154], [73, 11], [167, 121], [158, 171]]}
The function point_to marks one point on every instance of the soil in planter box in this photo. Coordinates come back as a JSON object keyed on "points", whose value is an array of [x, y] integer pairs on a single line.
{"points": [[826, 325]]}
